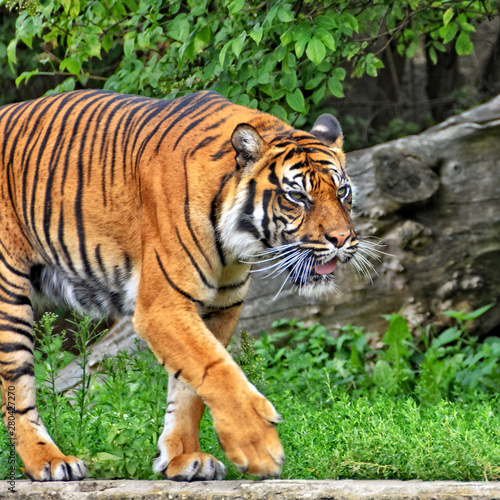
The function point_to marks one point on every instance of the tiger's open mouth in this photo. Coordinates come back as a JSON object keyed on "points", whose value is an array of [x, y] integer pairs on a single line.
{"points": [[315, 274], [327, 268]]}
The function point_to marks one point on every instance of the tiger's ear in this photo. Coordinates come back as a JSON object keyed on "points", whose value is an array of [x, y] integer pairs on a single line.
{"points": [[327, 129], [248, 144]]}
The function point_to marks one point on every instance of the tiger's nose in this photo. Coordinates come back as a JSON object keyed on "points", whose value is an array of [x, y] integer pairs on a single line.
{"points": [[338, 239]]}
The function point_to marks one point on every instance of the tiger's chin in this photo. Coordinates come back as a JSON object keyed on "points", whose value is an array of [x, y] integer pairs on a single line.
{"points": [[317, 286]]}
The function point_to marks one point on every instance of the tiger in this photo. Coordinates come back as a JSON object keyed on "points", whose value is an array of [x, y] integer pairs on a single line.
{"points": [[116, 204]]}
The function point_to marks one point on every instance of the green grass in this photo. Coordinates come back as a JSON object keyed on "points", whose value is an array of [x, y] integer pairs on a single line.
{"points": [[408, 410]]}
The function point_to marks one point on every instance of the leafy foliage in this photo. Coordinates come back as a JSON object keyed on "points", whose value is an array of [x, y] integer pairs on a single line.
{"points": [[280, 55], [449, 365]]}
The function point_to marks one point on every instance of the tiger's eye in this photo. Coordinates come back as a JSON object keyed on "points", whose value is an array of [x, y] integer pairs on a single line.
{"points": [[296, 195], [342, 191]]}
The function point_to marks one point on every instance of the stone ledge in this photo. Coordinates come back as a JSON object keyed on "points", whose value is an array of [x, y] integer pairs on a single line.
{"points": [[91, 489]]}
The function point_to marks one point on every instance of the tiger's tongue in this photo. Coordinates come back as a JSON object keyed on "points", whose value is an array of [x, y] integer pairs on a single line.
{"points": [[327, 268]]}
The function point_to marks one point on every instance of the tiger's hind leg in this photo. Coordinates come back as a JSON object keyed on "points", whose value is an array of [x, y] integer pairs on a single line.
{"points": [[179, 457], [43, 461]]}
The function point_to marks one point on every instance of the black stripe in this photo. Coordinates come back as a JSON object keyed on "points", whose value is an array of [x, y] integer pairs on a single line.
{"points": [[212, 311], [193, 262], [63, 142], [17, 373], [60, 238], [266, 199], [214, 221], [19, 331], [224, 151], [233, 286], [204, 143], [173, 285], [244, 221], [13, 347], [18, 299], [195, 123], [187, 215], [186, 107], [13, 270], [20, 412]]}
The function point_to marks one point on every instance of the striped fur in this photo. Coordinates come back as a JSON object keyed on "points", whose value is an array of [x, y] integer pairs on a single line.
{"points": [[116, 204]]}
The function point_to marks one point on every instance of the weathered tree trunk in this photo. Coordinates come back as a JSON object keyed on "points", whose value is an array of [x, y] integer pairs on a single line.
{"points": [[434, 202]]}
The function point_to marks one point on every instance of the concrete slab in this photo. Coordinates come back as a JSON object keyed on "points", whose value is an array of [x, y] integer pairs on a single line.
{"points": [[247, 490]]}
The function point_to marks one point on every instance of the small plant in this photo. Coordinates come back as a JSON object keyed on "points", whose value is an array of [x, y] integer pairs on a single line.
{"points": [[49, 359], [86, 333], [250, 361]]}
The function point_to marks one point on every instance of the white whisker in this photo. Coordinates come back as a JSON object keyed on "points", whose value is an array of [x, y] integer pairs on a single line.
{"points": [[271, 251], [286, 263], [278, 256]]}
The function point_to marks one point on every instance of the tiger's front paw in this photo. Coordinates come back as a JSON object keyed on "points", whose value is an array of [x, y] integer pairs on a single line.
{"points": [[195, 466], [67, 468], [249, 438]]}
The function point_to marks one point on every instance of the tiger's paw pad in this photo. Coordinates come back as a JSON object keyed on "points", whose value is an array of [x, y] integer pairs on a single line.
{"points": [[69, 469], [195, 467]]}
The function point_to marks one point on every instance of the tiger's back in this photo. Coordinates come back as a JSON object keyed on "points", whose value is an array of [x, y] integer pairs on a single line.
{"points": [[117, 204], [74, 191]]}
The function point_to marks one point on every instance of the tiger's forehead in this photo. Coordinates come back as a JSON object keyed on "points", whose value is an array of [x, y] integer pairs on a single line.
{"points": [[308, 165]]}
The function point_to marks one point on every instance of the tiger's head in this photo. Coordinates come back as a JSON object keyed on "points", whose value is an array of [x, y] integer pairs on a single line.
{"points": [[291, 205]]}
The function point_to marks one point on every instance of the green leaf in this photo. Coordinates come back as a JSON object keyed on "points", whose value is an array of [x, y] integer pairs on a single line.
{"points": [[301, 35], [478, 312], [289, 81], [128, 47], [335, 87], [448, 16], [326, 37], [314, 82], [94, 46], [463, 45], [26, 75], [296, 101], [318, 94], [264, 78], [384, 375], [179, 28], [448, 32], [70, 64], [315, 50], [285, 15], [339, 74], [222, 54], [433, 55], [256, 34], [449, 335], [395, 338], [326, 22], [286, 37], [237, 45], [279, 112], [11, 53], [107, 42], [350, 21], [235, 6]]}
